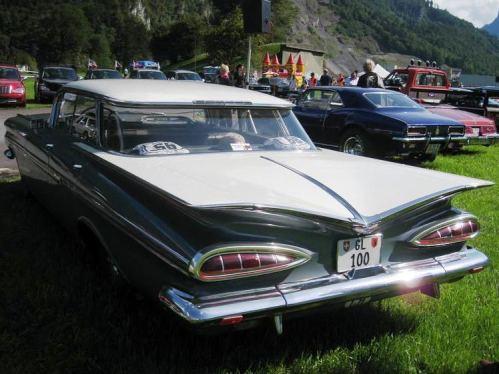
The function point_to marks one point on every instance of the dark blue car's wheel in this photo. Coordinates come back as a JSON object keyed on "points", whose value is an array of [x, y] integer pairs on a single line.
{"points": [[355, 142]]}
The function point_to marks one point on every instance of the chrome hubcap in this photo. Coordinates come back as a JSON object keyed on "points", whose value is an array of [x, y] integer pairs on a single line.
{"points": [[353, 146]]}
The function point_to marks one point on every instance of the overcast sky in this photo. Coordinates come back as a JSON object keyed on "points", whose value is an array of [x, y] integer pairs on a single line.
{"points": [[478, 12]]}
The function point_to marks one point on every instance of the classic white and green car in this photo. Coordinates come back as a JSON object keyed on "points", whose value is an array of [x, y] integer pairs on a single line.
{"points": [[214, 201]]}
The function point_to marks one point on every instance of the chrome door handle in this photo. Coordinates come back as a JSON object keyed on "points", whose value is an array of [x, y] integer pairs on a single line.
{"points": [[49, 146], [77, 167], [23, 134]]}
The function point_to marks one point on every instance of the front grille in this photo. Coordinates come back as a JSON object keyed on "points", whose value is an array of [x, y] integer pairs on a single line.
{"points": [[438, 130], [53, 86], [5, 89], [456, 130]]}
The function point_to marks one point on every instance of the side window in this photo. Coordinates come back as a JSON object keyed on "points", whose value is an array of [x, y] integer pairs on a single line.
{"points": [[84, 121], [319, 99], [426, 79], [111, 137], [65, 115], [335, 100]]}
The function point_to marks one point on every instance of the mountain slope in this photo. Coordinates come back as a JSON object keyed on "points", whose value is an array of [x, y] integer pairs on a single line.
{"points": [[347, 29], [493, 27]]}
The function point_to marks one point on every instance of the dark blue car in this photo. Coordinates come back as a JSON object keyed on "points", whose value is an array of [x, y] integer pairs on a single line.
{"points": [[374, 122]]}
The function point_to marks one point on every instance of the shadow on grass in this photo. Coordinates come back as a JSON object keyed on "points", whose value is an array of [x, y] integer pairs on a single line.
{"points": [[58, 314]]}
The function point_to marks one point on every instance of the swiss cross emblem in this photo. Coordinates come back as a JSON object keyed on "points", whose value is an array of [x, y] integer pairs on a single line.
{"points": [[346, 246], [374, 241]]}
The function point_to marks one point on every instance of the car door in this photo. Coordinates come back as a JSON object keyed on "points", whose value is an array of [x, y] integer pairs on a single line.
{"points": [[75, 123], [334, 120], [310, 110], [33, 144]]}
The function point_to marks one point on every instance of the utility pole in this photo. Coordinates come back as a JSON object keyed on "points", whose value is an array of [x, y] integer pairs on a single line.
{"points": [[248, 64]]}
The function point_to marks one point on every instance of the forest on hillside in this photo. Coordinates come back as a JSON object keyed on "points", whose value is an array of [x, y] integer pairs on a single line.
{"points": [[415, 28], [36, 32]]}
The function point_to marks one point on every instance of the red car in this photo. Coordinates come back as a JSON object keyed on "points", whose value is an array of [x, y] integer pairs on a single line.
{"points": [[429, 86], [12, 90]]}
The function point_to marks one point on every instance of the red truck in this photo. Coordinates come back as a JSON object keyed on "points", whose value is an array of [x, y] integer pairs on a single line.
{"points": [[429, 86], [12, 90]]}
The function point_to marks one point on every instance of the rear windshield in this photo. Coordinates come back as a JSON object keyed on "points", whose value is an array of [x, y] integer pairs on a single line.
{"points": [[167, 131], [9, 73], [152, 74], [188, 76], [390, 100], [60, 73], [106, 74]]}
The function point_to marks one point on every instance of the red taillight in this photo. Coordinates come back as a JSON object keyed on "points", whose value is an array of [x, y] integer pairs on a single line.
{"points": [[455, 231], [242, 261], [237, 262], [232, 320]]}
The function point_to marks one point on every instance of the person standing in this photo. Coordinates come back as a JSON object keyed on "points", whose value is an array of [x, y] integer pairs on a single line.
{"points": [[239, 79], [340, 81], [312, 82], [370, 79], [353, 79], [292, 83], [223, 76], [326, 79]]}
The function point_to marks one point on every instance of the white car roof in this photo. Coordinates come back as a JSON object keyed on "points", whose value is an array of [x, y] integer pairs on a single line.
{"points": [[149, 91]]}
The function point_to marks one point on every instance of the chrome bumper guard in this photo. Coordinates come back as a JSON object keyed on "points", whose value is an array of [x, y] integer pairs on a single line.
{"points": [[434, 139], [482, 140], [340, 289]]}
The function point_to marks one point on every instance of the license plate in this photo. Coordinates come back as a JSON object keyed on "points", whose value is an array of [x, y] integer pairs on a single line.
{"points": [[358, 253], [476, 131], [432, 149]]}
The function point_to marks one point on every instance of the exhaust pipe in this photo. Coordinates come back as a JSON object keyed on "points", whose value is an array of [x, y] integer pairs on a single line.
{"points": [[432, 290], [9, 153]]}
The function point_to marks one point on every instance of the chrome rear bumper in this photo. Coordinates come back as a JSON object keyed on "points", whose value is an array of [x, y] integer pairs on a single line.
{"points": [[482, 140], [338, 290]]}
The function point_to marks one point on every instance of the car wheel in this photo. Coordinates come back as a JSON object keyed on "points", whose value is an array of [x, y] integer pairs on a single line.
{"points": [[355, 142], [95, 254]]}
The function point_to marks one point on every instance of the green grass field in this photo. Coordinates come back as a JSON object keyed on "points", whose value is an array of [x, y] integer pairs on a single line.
{"points": [[57, 315], [30, 95]]}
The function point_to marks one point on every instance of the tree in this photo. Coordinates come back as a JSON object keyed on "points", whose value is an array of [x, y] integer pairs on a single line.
{"points": [[66, 36], [227, 41], [100, 50], [181, 41]]}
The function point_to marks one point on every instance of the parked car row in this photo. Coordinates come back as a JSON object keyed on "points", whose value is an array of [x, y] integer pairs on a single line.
{"points": [[430, 87], [372, 123], [214, 202]]}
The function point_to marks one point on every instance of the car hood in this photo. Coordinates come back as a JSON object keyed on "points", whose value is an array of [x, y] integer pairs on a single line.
{"points": [[324, 183], [420, 117], [6, 82], [466, 118]]}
